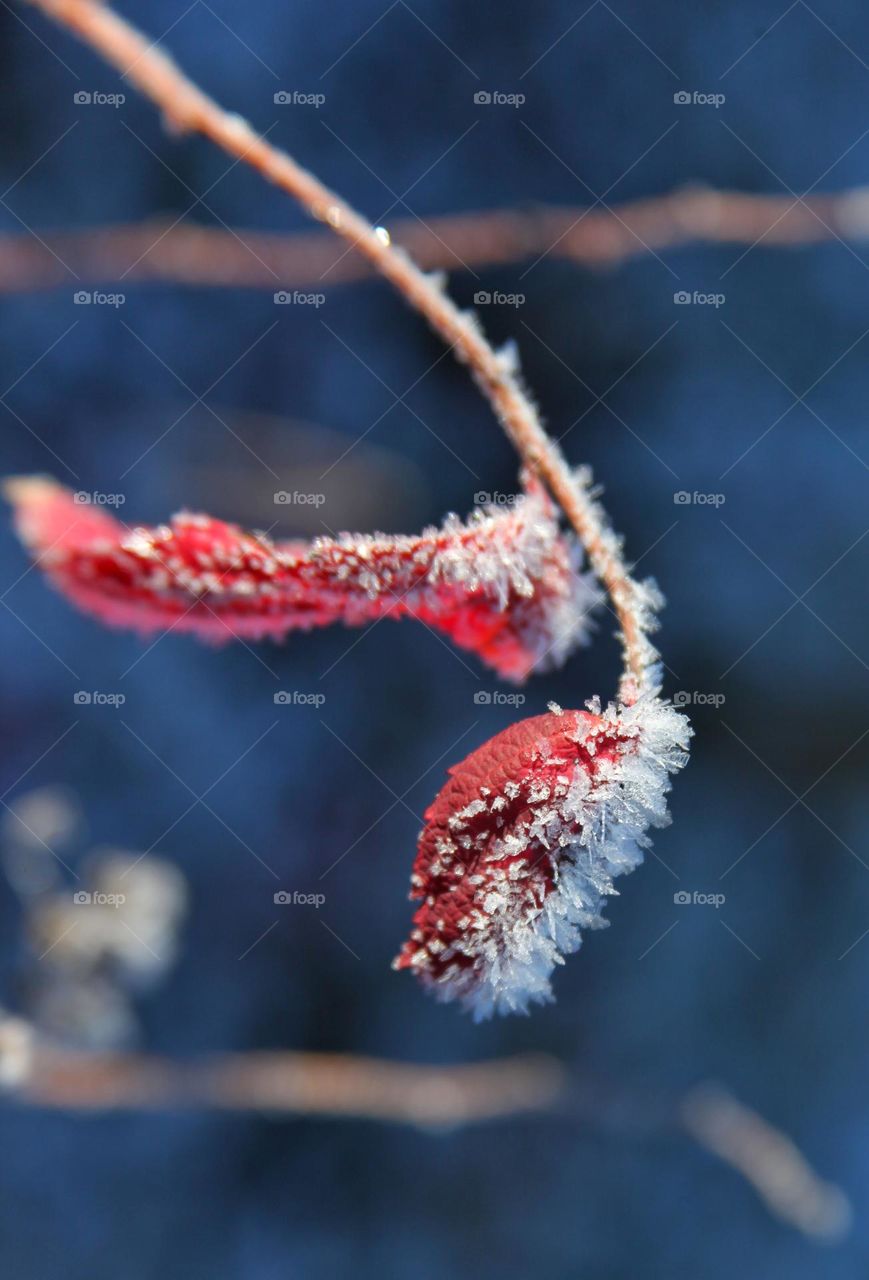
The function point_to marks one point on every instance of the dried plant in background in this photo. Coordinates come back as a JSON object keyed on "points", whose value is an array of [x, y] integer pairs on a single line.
{"points": [[97, 938]]}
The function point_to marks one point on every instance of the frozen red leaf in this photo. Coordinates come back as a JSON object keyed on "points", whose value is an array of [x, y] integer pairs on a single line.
{"points": [[504, 584], [521, 846]]}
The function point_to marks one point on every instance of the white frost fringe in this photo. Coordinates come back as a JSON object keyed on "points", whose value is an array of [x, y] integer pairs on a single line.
{"points": [[522, 565], [613, 812]]}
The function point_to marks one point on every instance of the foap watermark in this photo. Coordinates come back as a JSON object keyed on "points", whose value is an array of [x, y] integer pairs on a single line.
{"points": [[297, 698], [298, 298], [683, 298], [497, 98], [94, 98], [488, 698], [696, 899], [285, 498], [93, 298], [485, 499], [297, 98], [682, 498], [694, 98], [96, 698], [94, 498], [697, 698], [485, 298], [284, 898], [81, 898]]}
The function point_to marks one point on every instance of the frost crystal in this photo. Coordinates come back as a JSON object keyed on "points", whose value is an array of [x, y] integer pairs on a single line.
{"points": [[521, 847], [505, 583]]}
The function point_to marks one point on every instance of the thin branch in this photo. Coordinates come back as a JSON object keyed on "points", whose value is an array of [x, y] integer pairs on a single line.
{"points": [[769, 1160], [296, 1084], [341, 1086], [187, 108], [191, 254]]}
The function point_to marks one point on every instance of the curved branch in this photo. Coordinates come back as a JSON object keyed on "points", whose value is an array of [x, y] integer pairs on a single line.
{"points": [[187, 108]]}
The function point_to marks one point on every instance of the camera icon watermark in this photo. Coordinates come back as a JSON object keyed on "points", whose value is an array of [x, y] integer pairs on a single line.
{"points": [[697, 698], [684, 98], [482, 498], [95, 498], [682, 498], [683, 298], [94, 298], [296, 698], [496, 98], [284, 898], [298, 298], [295, 98], [496, 698], [685, 899], [81, 898], [96, 698], [85, 98], [285, 498], [485, 298]]}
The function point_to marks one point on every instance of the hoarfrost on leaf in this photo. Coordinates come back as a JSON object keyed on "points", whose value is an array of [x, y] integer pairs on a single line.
{"points": [[575, 793], [505, 584]]}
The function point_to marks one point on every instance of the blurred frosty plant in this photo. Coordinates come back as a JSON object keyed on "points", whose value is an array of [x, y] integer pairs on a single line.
{"points": [[97, 937], [520, 848], [100, 945]]}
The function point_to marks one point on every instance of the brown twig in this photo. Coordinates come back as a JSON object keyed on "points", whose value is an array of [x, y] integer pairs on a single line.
{"points": [[296, 1084], [284, 1084], [768, 1160], [167, 249], [187, 108]]}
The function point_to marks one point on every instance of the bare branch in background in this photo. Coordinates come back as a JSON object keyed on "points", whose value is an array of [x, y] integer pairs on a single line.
{"points": [[284, 1084], [165, 249], [778, 1171]]}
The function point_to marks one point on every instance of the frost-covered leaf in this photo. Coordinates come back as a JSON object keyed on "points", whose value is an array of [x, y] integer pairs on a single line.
{"points": [[505, 583], [521, 847]]}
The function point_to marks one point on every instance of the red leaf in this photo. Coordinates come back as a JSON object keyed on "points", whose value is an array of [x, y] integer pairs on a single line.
{"points": [[503, 584], [520, 848]]}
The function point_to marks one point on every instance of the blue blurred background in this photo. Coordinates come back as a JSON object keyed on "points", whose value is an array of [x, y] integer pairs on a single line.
{"points": [[766, 610]]}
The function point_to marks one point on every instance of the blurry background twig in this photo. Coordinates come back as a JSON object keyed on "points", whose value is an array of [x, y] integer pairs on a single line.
{"points": [[187, 253], [777, 1170], [284, 1084]]}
